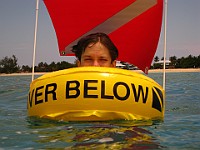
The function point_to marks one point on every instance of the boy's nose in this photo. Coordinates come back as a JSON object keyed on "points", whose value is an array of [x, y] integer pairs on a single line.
{"points": [[96, 63]]}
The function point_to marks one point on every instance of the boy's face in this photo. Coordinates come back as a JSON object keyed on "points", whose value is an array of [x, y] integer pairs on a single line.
{"points": [[96, 55]]}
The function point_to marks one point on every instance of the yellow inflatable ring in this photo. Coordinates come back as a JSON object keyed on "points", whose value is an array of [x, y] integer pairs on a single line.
{"points": [[96, 94]]}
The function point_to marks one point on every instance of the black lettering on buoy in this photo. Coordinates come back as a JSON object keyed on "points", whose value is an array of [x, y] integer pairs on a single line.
{"points": [[156, 102], [38, 94], [74, 88], [30, 97], [48, 91], [103, 89], [140, 91], [160, 94], [117, 95], [87, 88]]}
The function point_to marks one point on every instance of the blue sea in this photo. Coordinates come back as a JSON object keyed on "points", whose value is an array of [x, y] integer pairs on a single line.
{"points": [[179, 130]]}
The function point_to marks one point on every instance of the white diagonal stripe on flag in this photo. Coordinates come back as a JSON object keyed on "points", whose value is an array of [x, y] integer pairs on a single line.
{"points": [[119, 19]]}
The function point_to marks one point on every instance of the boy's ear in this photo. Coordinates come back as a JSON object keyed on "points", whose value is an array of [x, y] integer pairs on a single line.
{"points": [[78, 63], [113, 64]]}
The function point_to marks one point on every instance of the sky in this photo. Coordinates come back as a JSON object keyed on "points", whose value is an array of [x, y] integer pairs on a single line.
{"points": [[17, 23]]}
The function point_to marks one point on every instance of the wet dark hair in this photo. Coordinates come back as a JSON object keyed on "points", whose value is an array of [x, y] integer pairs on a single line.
{"points": [[94, 38]]}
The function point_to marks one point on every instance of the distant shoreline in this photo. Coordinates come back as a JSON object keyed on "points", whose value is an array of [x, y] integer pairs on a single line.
{"points": [[23, 74], [150, 71], [172, 70], [175, 70]]}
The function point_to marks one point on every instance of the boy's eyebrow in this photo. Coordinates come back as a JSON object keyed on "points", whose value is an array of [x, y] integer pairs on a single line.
{"points": [[104, 57], [86, 56]]}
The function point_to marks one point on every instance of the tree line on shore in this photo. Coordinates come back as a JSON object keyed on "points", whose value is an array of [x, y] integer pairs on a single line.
{"points": [[174, 62], [10, 65]]}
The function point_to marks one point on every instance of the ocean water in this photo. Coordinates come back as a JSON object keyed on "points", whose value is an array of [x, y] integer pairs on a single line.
{"points": [[180, 129]]}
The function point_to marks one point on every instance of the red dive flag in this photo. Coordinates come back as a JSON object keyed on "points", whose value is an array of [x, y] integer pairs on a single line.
{"points": [[133, 25]]}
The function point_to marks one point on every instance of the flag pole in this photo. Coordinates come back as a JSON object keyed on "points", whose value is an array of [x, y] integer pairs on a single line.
{"points": [[165, 43], [35, 37]]}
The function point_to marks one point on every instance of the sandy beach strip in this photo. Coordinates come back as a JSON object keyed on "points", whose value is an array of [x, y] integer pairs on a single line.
{"points": [[22, 74], [150, 71], [175, 70], [171, 70]]}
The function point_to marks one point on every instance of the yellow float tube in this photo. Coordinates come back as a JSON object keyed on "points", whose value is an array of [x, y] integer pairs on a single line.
{"points": [[96, 94]]}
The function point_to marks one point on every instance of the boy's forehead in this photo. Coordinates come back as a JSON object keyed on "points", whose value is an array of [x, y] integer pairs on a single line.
{"points": [[98, 44], [97, 50], [98, 47]]}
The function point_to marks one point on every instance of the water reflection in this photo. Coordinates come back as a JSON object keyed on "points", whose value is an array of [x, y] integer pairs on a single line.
{"points": [[92, 135]]}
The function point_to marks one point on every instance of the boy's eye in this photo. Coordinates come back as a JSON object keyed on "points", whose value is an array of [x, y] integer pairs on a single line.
{"points": [[87, 59], [103, 59]]}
